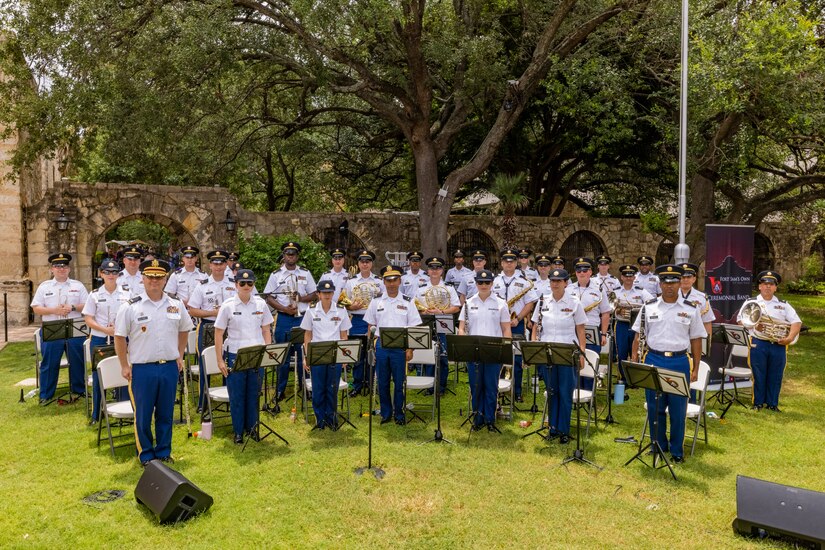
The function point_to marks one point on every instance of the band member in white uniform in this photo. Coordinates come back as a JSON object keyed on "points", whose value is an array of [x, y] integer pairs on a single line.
{"points": [[325, 322], [184, 280], [559, 318], [509, 285], [289, 290], [696, 297], [100, 313], [415, 276], [458, 273], [60, 298], [245, 320], [130, 278], [542, 283], [338, 275], [467, 288], [767, 357], [595, 303], [364, 283], [673, 328], [150, 339], [629, 298], [484, 314], [435, 267], [204, 303], [603, 277], [524, 265], [645, 278], [391, 310]]}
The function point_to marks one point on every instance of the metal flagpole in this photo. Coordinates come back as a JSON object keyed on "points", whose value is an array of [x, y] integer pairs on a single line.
{"points": [[682, 251]]}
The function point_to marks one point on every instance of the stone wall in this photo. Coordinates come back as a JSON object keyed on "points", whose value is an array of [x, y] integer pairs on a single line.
{"points": [[194, 215]]}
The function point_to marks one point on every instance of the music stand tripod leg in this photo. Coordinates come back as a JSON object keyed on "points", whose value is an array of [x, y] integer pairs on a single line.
{"points": [[438, 436]]}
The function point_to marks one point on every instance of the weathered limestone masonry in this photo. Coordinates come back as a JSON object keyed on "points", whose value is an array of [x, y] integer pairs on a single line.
{"points": [[29, 205]]}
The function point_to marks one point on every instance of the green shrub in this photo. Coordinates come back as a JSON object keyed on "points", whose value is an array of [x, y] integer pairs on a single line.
{"points": [[812, 269], [261, 254], [804, 286]]}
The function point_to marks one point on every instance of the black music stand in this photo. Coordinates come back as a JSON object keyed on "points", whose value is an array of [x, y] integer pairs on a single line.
{"points": [[249, 358], [569, 356], [536, 354], [377, 471], [330, 354], [611, 349], [64, 329], [642, 375], [441, 324], [482, 350]]}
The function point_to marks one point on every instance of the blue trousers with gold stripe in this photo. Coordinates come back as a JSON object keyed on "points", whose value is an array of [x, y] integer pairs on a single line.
{"points": [[283, 332], [390, 364], [767, 362], [153, 389], [51, 353], [624, 343], [676, 405]]}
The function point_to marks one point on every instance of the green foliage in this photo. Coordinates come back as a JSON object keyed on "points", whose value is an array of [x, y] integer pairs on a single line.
{"points": [[261, 254], [812, 267], [655, 222], [806, 286]]}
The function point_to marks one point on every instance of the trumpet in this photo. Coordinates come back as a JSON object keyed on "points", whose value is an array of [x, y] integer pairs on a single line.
{"points": [[755, 317]]}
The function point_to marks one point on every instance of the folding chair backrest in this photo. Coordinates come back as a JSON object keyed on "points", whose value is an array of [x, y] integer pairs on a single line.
{"points": [[424, 356], [591, 363], [702, 379], [87, 351], [110, 374], [192, 342], [739, 351], [37, 341], [210, 361]]}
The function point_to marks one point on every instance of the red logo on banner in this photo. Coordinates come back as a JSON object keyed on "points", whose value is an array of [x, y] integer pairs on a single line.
{"points": [[715, 285]]}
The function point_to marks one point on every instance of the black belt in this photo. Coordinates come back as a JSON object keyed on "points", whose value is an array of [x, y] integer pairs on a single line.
{"points": [[161, 362], [207, 321], [669, 353]]}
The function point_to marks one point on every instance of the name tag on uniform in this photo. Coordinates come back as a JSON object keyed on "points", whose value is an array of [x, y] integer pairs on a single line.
{"points": [[236, 313], [49, 293], [101, 300], [142, 318]]}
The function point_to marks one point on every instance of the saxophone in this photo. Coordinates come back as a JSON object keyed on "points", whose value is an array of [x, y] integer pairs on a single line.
{"points": [[514, 300]]}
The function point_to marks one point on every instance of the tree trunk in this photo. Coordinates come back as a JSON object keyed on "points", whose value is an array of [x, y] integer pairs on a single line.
{"points": [[434, 211], [703, 186]]}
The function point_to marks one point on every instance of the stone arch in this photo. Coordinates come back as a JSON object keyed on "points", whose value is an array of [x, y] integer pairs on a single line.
{"points": [[181, 235], [473, 239], [582, 243], [763, 253]]}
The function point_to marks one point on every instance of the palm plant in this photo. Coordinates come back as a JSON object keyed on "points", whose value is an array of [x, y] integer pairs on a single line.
{"points": [[509, 188]]}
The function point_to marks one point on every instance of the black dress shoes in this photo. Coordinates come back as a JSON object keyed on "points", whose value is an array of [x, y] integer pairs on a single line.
{"points": [[386, 420], [167, 460], [774, 409], [564, 439], [354, 393], [238, 439], [280, 397], [678, 459]]}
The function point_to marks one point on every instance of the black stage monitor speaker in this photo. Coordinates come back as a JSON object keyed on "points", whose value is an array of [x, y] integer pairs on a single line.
{"points": [[766, 509], [169, 494]]}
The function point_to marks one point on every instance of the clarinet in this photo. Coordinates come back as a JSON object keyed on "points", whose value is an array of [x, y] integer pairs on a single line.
{"points": [[466, 317], [541, 314], [642, 334]]}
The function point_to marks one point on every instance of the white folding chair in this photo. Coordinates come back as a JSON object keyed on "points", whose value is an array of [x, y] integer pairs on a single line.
{"points": [[740, 377], [587, 398], [421, 357], [110, 376], [218, 394], [191, 355], [38, 358]]}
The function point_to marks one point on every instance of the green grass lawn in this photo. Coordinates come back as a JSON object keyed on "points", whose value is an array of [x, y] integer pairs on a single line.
{"points": [[493, 491]]}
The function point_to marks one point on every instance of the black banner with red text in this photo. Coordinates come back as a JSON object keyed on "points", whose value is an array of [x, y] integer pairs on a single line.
{"points": [[728, 268]]}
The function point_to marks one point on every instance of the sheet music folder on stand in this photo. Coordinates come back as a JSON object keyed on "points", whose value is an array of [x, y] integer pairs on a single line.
{"points": [[331, 353], [63, 329], [660, 380]]}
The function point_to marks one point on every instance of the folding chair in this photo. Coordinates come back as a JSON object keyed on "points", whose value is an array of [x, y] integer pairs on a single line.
{"points": [[422, 357], [740, 377], [587, 398], [38, 358], [109, 374], [506, 393], [218, 394]]}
